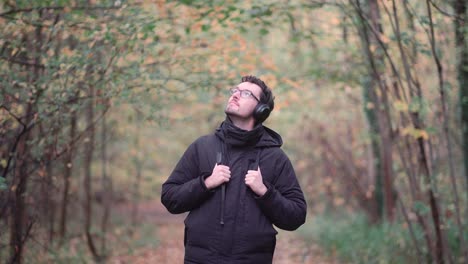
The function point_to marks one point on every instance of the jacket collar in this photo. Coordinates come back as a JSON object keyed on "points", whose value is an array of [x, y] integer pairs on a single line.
{"points": [[235, 136]]}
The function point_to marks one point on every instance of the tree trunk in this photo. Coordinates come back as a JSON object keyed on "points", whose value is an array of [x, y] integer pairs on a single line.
{"points": [[445, 127], [136, 192], [370, 103], [371, 115], [68, 170], [138, 164], [376, 107], [460, 7], [107, 188], [88, 160], [414, 90], [439, 248], [461, 28], [18, 207], [46, 173], [18, 232]]}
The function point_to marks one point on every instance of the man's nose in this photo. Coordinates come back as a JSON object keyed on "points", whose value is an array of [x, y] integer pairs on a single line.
{"points": [[236, 94]]}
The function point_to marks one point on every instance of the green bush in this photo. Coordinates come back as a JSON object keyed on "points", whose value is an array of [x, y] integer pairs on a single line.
{"points": [[352, 239]]}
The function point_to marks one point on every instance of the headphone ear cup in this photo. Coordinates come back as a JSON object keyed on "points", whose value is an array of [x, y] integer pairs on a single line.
{"points": [[261, 112]]}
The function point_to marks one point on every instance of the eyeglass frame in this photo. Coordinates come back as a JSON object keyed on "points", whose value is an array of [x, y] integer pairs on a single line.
{"points": [[249, 93]]}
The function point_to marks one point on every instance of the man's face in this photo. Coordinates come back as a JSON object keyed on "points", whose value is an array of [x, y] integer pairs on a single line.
{"points": [[243, 107]]}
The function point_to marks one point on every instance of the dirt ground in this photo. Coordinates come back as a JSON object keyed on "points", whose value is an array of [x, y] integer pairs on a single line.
{"points": [[290, 249]]}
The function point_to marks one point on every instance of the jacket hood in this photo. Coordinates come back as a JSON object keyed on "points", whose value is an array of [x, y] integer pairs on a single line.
{"points": [[260, 136], [270, 138]]}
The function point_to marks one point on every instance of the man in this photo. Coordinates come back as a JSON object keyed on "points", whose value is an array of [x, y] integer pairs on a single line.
{"points": [[236, 183]]}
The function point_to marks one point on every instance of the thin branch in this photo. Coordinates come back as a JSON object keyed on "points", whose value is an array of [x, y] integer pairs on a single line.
{"points": [[63, 150], [14, 258], [446, 126], [379, 41], [13, 115], [57, 8], [24, 63], [444, 12], [15, 145]]}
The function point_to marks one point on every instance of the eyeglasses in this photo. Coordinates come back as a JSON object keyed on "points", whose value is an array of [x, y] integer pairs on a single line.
{"points": [[243, 93]]}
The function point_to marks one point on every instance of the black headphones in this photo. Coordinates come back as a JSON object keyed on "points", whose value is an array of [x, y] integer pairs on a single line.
{"points": [[261, 112]]}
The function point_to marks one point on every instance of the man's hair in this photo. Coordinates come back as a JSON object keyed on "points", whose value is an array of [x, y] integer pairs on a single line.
{"points": [[267, 95]]}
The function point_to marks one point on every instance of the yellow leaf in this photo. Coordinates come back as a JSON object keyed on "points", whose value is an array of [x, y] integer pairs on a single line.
{"points": [[415, 133], [401, 106], [67, 51], [423, 134], [19, 110], [3, 163], [406, 131]]}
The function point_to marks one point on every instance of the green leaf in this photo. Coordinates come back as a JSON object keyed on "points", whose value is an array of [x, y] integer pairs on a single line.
{"points": [[206, 27], [186, 2], [421, 208], [263, 31], [148, 28], [232, 8], [3, 185], [258, 11], [426, 52]]}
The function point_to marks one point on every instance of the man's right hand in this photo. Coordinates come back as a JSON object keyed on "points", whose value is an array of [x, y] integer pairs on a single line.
{"points": [[220, 175]]}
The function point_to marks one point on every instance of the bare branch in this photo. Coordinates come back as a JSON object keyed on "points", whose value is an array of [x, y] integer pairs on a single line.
{"points": [[57, 8], [13, 115], [24, 63]]}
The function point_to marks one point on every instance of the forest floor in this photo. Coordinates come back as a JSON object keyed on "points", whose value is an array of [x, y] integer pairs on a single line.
{"points": [[290, 248]]}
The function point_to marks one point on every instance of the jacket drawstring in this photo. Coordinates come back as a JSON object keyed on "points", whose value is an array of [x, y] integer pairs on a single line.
{"points": [[222, 158], [219, 158], [257, 162], [223, 198]]}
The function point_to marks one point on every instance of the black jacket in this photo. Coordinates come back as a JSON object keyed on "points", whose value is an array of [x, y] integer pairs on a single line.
{"points": [[247, 235]]}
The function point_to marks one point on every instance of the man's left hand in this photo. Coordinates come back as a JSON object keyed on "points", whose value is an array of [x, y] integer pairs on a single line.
{"points": [[254, 180]]}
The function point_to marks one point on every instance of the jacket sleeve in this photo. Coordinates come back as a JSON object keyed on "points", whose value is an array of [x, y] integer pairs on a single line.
{"points": [[185, 188], [284, 202]]}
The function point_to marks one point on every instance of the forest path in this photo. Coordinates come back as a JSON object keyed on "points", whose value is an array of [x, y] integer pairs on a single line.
{"points": [[290, 248]]}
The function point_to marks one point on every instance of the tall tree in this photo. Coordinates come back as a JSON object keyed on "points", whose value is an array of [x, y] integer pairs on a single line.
{"points": [[461, 42], [67, 174], [106, 183], [376, 105], [19, 233], [88, 173]]}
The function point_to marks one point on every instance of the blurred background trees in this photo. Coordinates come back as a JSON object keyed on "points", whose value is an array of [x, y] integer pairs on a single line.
{"points": [[99, 98]]}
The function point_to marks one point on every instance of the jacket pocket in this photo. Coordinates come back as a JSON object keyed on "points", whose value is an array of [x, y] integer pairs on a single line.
{"points": [[259, 243], [198, 231], [259, 235]]}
